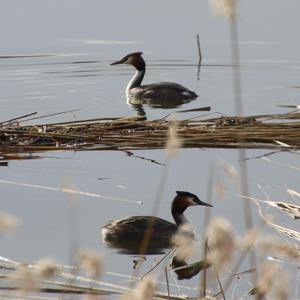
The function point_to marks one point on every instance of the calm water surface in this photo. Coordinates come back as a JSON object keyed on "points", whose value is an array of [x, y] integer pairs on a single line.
{"points": [[64, 65]]}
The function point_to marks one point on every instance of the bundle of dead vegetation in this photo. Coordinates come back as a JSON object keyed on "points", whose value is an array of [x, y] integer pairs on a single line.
{"points": [[277, 131]]}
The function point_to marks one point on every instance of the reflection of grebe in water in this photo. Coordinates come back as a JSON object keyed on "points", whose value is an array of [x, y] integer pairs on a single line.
{"points": [[161, 92], [137, 104], [133, 228]]}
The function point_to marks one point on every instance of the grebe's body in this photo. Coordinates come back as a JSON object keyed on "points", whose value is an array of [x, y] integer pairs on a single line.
{"points": [[134, 228], [160, 90]]}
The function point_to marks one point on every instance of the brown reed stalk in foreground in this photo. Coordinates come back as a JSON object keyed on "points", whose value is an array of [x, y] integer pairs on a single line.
{"points": [[230, 11], [239, 111], [209, 197]]}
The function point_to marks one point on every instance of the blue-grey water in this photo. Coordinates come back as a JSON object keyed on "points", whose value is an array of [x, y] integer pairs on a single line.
{"points": [[56, 56]]}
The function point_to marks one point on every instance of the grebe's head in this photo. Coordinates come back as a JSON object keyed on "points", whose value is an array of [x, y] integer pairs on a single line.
{"points": [[135, 59], [185, 199]]}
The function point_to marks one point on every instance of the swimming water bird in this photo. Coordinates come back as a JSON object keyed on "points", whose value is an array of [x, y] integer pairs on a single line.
{"points": [[160, 90], [132, 229]]}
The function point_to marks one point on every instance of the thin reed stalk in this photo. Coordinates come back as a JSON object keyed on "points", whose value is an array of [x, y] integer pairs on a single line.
{"points": [[199, 50], [167, 280], [244, 186], [220, 284], [203, 281], [209, 197]]}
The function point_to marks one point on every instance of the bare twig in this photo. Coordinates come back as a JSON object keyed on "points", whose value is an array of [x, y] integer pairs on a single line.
{"points": [[18, 118], [199, 50], [159, 262]]}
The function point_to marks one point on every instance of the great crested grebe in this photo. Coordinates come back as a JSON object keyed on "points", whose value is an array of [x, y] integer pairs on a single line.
{"points": [[160, 90], [133, 228]]}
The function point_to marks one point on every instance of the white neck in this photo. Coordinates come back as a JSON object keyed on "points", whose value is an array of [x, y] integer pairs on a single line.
{"points": [[180, 218], [135, 81]]}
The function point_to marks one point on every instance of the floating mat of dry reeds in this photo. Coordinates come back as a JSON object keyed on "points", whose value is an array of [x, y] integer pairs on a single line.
{"points": [[279, 131]]}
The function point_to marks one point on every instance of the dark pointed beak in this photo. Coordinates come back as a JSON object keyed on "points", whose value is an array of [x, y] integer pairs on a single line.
{"points": [[204, 203], [118, 62]]}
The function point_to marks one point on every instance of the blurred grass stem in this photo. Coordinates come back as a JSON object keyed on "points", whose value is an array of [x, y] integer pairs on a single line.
{"points": [[239, 112], [209, 194], [167, 280], [203, 281]]}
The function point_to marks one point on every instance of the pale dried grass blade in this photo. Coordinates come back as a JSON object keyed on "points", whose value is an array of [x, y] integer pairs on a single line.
{"points": [[70, 191], [283, 144], [293, 193], [286, 231], [292, 210], [289, 208]]}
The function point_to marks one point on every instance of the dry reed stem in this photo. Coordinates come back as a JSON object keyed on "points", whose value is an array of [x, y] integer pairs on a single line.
{"points": [[199, 51], [204, 277], [68, 190], [294, 234], [209, 198], [167, 281], [291, 209], [230, 11], [219, 283]]}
